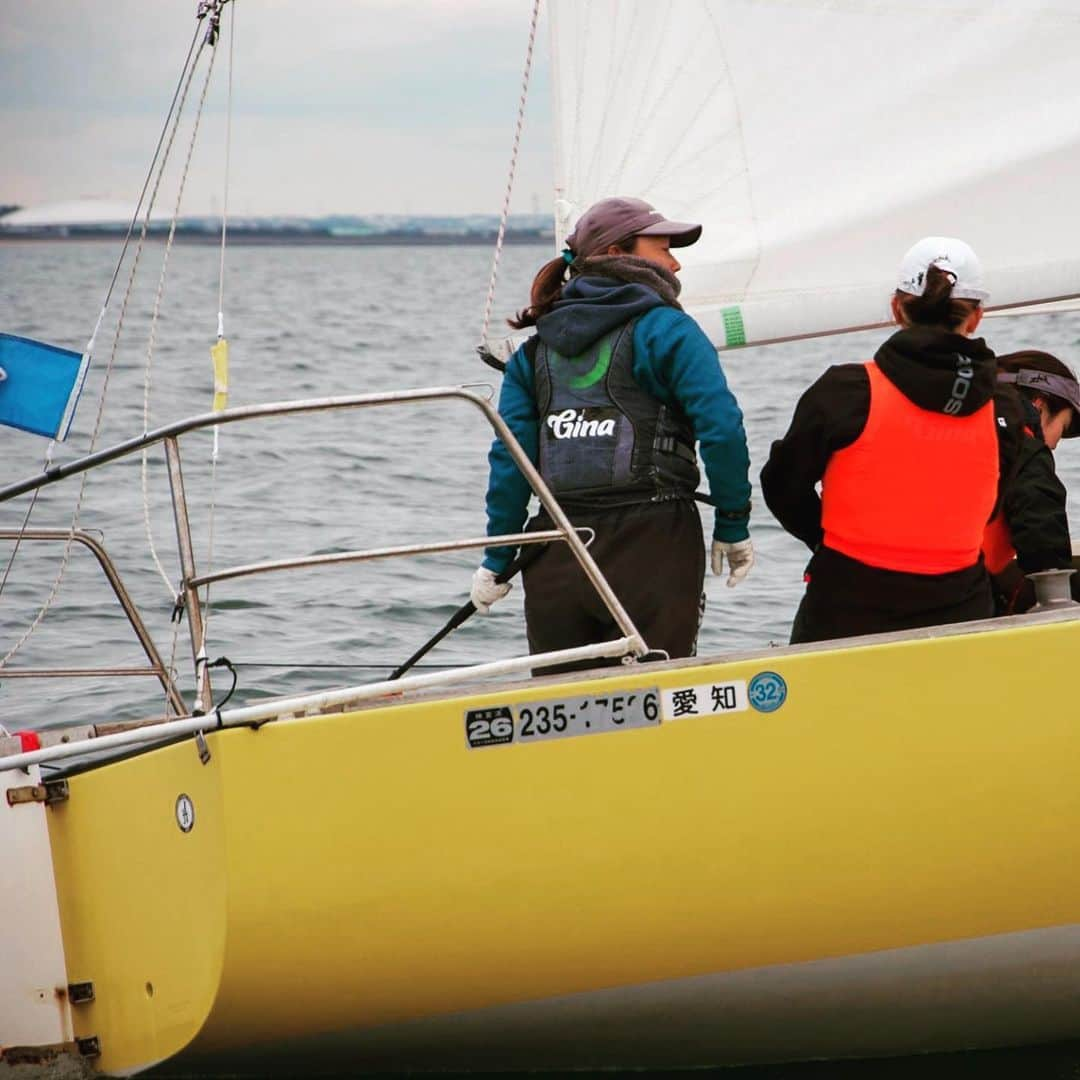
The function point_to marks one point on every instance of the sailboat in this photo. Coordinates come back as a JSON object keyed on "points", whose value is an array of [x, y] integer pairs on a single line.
{"points": [[847, 849]]}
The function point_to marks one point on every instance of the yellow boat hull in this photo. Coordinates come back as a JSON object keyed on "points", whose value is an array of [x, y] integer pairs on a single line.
{"points": [[885, 862]]}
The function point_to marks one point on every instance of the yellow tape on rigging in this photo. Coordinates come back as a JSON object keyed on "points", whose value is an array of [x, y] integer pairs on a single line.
{"points": [[219, 354]]}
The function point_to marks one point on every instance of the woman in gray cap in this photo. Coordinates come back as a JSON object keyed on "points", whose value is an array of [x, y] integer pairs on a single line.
{"points": [[1030, 531], [609, 398]]}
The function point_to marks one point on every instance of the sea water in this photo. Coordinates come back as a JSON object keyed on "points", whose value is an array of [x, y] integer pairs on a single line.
{"points": [[313, 322], [317, 322]]}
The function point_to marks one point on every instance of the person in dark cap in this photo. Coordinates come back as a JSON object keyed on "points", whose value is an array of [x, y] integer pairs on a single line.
{"points": [[1030, 531], [610, 398]]}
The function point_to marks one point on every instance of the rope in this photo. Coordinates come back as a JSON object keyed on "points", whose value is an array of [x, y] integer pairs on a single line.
{"points": [[171, 669], [153, 161], [510, 179], [185, 82], [220, 325], [225, 193], [89, 350], [155, 317]]}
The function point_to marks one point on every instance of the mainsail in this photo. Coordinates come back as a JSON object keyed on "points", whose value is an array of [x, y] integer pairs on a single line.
{"points": [[818, 139]]}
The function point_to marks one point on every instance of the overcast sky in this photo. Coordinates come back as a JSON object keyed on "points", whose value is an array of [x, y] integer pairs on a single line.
{"points": [[339, 106]]}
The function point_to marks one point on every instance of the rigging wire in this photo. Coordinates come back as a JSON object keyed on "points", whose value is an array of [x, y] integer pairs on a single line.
{"points": [[225, 193], [154, 319], [177, 107], [483, 347], [150, 172], [89, 350], [22, 529], [221, 306], [212, 513]]}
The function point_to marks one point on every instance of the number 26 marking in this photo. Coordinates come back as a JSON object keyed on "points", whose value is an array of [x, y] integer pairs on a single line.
{"points": [[484, 730]]}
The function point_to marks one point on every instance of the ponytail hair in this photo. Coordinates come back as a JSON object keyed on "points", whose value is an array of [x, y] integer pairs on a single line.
{"points": [[547, 287], [548, 284], [937, 306]]}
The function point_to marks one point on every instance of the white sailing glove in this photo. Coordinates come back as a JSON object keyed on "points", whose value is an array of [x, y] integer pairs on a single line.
{"points": [[486, 590], [740, 557]]}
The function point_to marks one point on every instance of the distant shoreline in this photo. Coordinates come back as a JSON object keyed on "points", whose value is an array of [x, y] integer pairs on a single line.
{"points": [[272, 238]]}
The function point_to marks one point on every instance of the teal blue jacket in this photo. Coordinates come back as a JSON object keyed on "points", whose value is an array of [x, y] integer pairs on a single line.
{"points": [[673, 360]]}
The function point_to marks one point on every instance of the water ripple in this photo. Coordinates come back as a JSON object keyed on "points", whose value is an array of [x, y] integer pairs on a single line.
{"points": [[325, 483]]}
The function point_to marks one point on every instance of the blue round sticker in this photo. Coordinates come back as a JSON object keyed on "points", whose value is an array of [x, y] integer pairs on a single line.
{"points": [[767, 691]]}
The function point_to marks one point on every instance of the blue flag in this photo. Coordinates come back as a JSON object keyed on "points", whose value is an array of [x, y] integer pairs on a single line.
{"points": [[39, 385]]}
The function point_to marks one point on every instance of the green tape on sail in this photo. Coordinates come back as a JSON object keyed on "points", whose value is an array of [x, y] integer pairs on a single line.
{"points": [[734, 331]]}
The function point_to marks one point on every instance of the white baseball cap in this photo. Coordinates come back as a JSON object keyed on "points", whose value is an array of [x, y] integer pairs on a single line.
{"points": [[949, 254]]}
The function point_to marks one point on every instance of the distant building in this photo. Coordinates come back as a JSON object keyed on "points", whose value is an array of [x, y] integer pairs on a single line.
{"points": [[76, 217], [97, 219]]}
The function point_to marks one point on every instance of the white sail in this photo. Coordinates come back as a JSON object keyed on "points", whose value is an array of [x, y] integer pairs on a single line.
{"points": [[816, 140]]}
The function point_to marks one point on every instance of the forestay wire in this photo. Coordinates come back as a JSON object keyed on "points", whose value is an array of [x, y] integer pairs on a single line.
{"points": [[483, 346], [210, 38], [157, 163], [219, 391], [89, 350]]}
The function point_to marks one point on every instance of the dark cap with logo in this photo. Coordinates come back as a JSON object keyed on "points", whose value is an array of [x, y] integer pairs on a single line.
{"points": [[612, 220], [1044, 374]]}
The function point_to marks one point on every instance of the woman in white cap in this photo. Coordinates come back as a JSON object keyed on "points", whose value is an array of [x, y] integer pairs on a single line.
{"points": [[907, 449], [609, 398]]}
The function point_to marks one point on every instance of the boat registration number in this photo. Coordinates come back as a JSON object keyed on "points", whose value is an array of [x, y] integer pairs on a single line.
{"points": [[562, 718]]}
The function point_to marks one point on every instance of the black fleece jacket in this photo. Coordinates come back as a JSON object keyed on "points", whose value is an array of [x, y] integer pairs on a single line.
{"points": [[1034, 503], [922, 363]]}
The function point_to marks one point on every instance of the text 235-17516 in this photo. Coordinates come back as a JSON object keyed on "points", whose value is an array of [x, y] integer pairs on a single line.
{"points": [[562, 718]]}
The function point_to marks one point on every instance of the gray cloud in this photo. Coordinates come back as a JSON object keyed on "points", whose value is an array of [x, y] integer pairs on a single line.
{"points": [[337, 107]]}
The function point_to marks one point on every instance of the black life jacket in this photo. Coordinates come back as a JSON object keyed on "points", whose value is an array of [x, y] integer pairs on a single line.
{"points": [[603, 440]]}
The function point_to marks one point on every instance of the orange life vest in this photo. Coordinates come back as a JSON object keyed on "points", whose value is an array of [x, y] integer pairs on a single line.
{"points": [[997, 545], [914, 491]]}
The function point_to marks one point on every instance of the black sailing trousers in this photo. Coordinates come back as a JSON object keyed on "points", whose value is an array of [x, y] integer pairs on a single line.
{"points": [[653, 556], [847, 598]]}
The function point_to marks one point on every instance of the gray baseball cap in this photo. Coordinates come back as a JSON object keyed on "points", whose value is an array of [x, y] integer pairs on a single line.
{"points": [[611, 220], [1059, 386]]}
